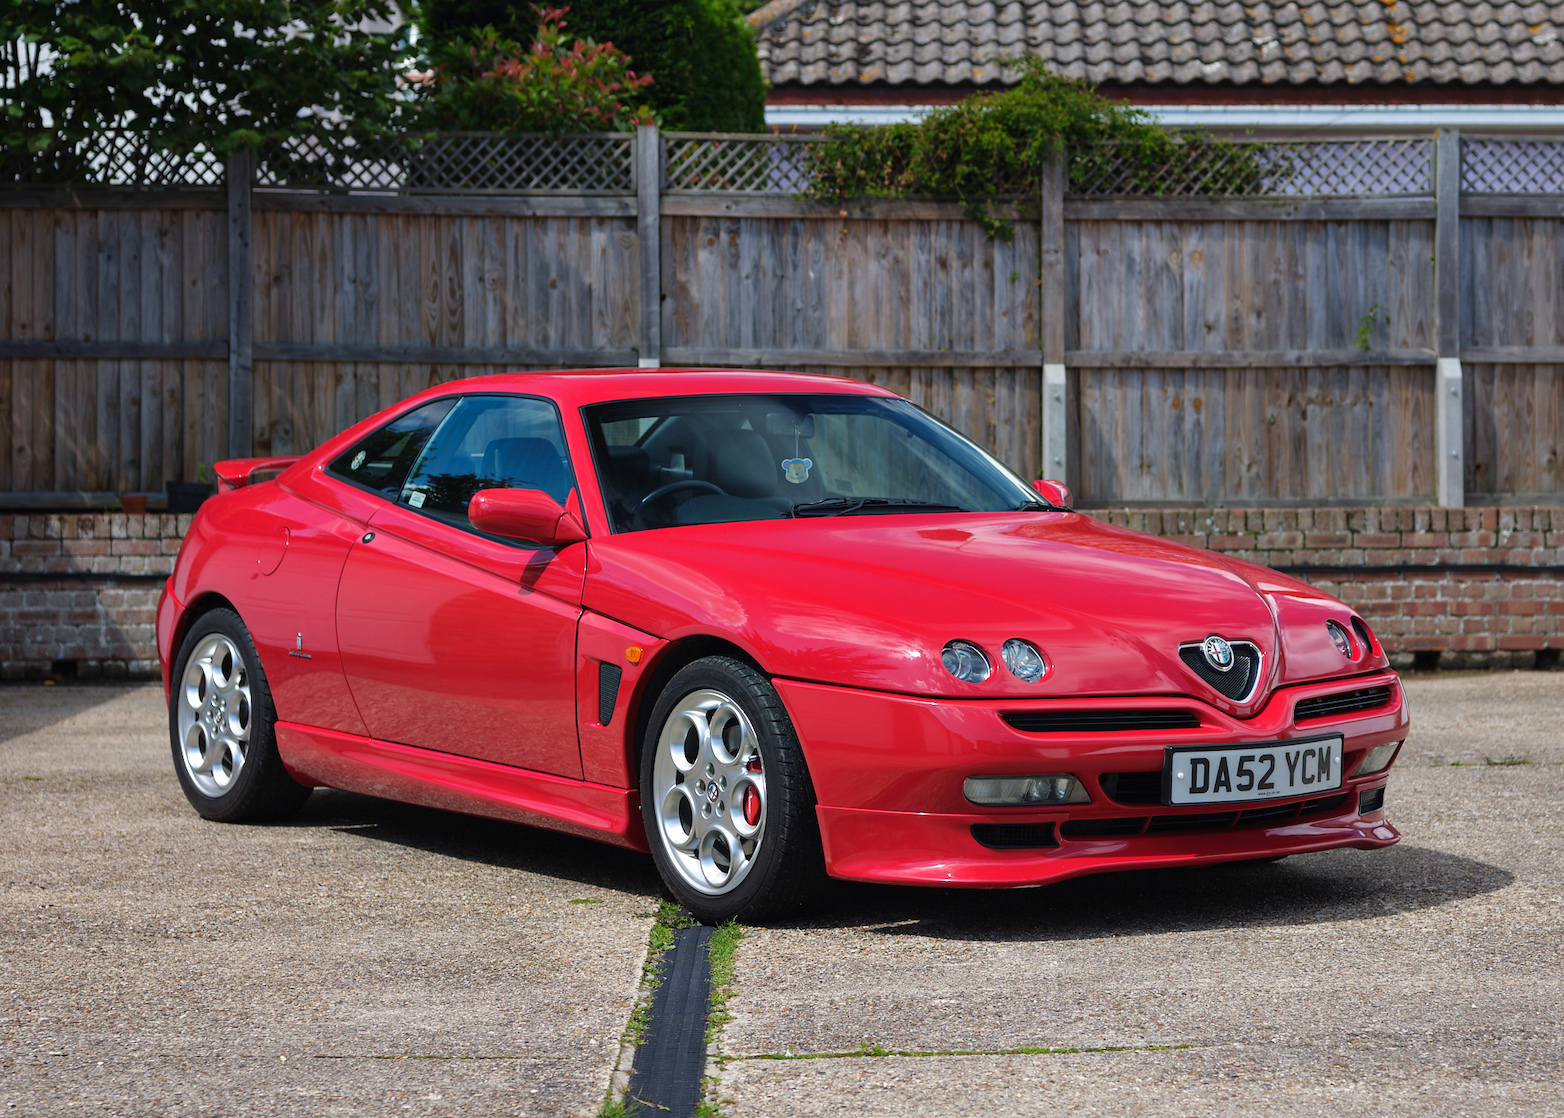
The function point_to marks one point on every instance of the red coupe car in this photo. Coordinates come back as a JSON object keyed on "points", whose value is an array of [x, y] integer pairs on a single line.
{"points": [[764, 626]]}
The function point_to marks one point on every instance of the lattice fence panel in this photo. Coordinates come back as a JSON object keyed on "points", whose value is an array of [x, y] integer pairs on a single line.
{"points": [[116, 158], [454, 163], [1495, 166], [736, 164], [1207, 168]]}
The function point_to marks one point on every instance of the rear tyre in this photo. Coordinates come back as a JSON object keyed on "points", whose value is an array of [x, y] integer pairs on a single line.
{"points": [[725, 795], [222, 726]]}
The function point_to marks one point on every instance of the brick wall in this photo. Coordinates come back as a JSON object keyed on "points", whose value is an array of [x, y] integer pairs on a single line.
{"points": [[1485, 588], [1476, 587], [79, 591]]}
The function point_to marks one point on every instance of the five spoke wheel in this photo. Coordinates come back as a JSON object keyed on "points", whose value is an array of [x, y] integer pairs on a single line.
{"points": [[222, 725], [725, 795], [215, 714], [710, 783]]}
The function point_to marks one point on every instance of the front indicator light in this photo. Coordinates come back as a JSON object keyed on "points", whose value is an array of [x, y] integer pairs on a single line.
{"points": [[966, 662], [1025, 791], [1023, 660], [1378, 759]]}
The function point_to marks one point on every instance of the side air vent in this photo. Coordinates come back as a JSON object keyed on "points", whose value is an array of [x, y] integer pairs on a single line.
{"points": [[1347, 702], [1238, 682], [1015, 836], [1094, 721], [1133, 788], [608, 676]]}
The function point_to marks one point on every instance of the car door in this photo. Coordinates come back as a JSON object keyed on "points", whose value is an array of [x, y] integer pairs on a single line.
{"points": [[460, 641]]}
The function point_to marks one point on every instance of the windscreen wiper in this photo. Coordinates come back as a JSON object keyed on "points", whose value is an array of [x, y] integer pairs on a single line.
{"points": [[848, 506], [1040, 504]]}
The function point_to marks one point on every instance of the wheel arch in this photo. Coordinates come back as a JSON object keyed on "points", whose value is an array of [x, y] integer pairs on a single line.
{"points": [[198, 607], [675, 656]]}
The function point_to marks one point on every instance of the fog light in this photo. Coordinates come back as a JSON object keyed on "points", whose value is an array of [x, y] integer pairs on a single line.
{"points": [[1377, 760], [1023, 660], [966, 662], [1025, 791]]}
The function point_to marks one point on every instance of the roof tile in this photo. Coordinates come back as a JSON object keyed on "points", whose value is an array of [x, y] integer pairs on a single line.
{"points": [[927, 42]]}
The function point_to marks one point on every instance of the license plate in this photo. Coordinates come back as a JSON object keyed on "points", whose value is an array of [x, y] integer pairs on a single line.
{"points": [[1246, 773]]}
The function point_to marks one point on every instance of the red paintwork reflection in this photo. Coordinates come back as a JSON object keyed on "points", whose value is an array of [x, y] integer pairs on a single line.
{"points": [[457, 643]]}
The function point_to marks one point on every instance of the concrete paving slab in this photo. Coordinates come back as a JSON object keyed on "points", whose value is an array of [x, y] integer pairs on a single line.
{"points": [[365, 958], [1424, 979]]}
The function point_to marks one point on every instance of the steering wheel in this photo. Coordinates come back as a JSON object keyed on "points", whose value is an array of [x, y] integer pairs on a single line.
{"points": [[673, 487]]}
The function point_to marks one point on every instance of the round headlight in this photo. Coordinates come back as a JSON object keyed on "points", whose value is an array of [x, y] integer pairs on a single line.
{"points": [[1023, 660], [1338, 636], [966, 662]]}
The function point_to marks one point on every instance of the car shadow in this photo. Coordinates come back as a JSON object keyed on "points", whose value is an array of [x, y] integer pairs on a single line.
{"points": [[488, 842], [1323, 888]]}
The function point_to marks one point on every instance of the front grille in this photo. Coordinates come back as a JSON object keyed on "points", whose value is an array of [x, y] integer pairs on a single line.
{"points": [[1345, 702], [1238, 682], [1271, 815], [1015, 836], [1132, 788], [1089, 721], [1102, 828]]}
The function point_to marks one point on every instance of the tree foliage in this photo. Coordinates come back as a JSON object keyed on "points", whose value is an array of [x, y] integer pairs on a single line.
{"points": [[484, 81], [991, 144], [223, 74], [699, 53]]}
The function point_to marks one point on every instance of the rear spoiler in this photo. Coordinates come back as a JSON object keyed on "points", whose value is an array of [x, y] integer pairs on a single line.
{"points": [[236, 473]]}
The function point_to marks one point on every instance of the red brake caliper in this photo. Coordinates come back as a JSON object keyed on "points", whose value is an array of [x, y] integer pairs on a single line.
{"points": [[751, 796]]}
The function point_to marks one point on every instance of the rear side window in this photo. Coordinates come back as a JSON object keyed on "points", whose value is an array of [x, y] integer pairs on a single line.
{"points": [[380, 461], [489, 442]]}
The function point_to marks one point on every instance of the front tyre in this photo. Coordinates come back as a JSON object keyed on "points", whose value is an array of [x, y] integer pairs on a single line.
{"points": [[223, 726], [725, 795]]}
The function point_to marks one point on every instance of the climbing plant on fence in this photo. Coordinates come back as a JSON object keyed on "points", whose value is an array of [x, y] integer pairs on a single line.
{"points": [[991, 145]]}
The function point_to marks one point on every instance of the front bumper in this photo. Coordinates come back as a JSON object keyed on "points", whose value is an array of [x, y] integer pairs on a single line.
{"points": [[888, 772]]}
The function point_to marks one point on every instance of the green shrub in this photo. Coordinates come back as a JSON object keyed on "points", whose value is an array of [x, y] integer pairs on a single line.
{"points": [[993, 144], [699, 53], [485, 82]]}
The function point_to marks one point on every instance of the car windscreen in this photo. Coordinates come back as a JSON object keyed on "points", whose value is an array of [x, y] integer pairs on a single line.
{"points": [[710, 459]]}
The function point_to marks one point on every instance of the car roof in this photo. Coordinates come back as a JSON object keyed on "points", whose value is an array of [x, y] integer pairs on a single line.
{"points": [[577, 387]]}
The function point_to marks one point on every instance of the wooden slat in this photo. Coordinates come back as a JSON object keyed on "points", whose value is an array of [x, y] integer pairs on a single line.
{"points": [[1243, 358]]}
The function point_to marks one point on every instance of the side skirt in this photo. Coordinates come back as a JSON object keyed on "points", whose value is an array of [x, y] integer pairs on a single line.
{"points": [[463, 784]]}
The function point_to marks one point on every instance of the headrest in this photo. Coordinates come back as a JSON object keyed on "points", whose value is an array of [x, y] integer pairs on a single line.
{"points": [[742, 463], [527, 464]]}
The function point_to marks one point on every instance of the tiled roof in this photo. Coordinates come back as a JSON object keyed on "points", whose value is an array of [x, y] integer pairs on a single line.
{"points": [[924, 42]]}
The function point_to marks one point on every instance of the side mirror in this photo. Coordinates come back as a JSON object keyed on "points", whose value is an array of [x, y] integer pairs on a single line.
{"points": [[525, 514], [1055, 493]]}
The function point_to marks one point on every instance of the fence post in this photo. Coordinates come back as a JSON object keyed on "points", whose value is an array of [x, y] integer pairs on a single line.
{"points": [[1054, 421], [649, 235], [241, 304], [1449, 404]]}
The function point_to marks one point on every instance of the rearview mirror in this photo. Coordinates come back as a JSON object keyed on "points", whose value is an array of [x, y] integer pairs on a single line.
{"points": [[1055, 493], [525, 514], [790, 423]]}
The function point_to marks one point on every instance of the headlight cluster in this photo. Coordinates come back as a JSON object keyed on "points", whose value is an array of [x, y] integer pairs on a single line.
{"points": [[970, 664]]}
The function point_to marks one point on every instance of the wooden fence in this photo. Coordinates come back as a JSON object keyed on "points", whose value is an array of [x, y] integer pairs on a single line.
{"points": [[1376, 321]]}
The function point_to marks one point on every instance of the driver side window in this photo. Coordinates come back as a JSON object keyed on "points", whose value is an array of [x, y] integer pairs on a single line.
{"points": [[489, 442]]}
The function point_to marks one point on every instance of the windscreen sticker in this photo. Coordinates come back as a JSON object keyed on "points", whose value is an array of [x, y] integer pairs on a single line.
{"points": [[797, 469], [358, 459], [416, 499]]}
